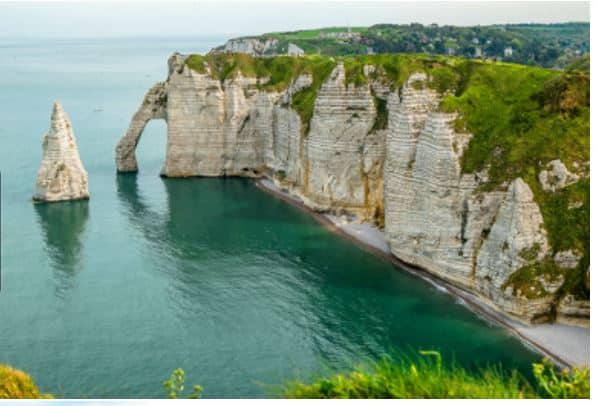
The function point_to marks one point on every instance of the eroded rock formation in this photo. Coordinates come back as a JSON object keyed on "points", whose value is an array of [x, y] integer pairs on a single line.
{"points": [[574, 311], [61, 175], [404, 175]]}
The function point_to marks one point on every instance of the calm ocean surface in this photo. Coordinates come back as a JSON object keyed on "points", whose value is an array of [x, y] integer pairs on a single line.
{"points": [[105, 298]]}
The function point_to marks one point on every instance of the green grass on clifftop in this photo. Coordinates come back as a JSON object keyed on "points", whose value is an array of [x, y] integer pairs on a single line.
{"points": [[280, 72]]}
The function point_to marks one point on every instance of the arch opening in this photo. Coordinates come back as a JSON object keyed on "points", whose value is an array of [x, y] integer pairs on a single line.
{"points": [[152, 107]]}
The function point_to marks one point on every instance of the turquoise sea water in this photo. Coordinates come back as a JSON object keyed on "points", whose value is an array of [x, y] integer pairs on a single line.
{"points": [[105, 298]]}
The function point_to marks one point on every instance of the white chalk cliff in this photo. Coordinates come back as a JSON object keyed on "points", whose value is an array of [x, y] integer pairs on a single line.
{"points": [[251, 46], [61, 175], [405, 176]]}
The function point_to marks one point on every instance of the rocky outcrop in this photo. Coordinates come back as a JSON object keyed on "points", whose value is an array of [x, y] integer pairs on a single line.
{"points": [[556, 177], [251, 46], [404, 175], [517, 237], [294, 50], [61, 175], [568, 259], [573, 311], [258, 47]]}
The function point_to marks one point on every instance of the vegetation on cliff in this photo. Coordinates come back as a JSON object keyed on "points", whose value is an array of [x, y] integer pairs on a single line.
{"points": [[522, 118], [279, 72]]}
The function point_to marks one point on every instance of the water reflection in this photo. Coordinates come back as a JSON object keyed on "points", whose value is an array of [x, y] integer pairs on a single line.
{"points": [[225, 244], [128, 192], [63, 226]]}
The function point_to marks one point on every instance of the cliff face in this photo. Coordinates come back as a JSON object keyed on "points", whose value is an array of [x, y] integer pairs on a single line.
{"points": [[388, 157], [231, 128], [251, 46], [436, 219], [344, 158], [61, 175]]}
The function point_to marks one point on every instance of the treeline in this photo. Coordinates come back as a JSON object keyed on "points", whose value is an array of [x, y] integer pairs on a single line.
{"points": [[546, 45]]}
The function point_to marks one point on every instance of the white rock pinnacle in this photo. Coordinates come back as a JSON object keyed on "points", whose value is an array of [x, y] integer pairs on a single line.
{"points": [[61, 175]]}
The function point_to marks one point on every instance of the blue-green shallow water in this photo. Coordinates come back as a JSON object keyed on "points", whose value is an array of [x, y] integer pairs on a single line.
{"points": [[105, 298]]}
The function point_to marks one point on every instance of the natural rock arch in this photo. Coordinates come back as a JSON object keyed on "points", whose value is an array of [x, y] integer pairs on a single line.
{"points": [[153, 107]]}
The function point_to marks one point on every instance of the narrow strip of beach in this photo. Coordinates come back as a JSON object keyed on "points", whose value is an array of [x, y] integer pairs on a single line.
{"points": [[566, 345]]}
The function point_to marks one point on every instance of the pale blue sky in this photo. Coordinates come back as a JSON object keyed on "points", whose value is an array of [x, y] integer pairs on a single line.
{"points": [[227, 18]]}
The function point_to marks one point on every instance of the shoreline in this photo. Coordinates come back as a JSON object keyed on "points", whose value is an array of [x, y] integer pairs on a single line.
{"points": [[547, 339]]}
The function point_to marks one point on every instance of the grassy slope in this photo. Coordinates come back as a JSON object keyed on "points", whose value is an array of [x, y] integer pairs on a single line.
{"points": [[522, 118]]}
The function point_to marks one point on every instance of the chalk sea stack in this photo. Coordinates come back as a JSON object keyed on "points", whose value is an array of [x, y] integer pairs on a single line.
{"points": [[61, 175]]}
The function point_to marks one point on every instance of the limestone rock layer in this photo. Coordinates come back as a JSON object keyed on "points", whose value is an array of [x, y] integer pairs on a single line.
{"points": [[61, 175], [404, 175]]}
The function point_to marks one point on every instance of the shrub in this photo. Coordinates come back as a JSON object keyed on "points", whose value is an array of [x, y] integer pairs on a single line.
{"points": [[175, 386], [381, 122], [16, 384], [567, 384], [281, 175]]}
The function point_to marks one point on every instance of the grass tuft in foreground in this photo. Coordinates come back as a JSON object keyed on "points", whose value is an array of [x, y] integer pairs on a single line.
{"points": [[16, 384], [175, 386], [429, 377]]}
